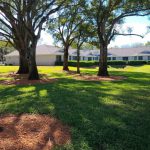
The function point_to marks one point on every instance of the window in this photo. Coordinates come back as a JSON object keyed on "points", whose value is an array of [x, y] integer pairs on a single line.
{"points": [[148, 57], [89, 58], [69, 57], [58, 58], [74, 57], [135, 57], [114, 58], [140, 57], [83, 58], [125, 58], [108, 58]]}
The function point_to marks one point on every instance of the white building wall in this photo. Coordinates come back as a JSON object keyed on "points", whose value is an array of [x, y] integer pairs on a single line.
{"points": [[14, 60], [145, 58], [118, 58], [41, 60], [45, 60], [131, 58]]}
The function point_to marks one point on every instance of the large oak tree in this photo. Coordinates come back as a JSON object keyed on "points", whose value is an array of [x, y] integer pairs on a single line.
{"points": [[106, 15], [66, 24], [23, 21]]}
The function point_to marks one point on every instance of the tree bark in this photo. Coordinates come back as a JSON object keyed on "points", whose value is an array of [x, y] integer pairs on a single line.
{"points": [[103, 62], [33, 72], [23, 65], [78, 60], [65, 64]]}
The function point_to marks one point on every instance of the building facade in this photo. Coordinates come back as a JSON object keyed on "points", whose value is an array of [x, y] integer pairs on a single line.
{"points": [[47, 55]]}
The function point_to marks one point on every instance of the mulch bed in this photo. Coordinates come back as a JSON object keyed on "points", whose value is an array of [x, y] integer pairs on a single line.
{"points": [[87, 77], [99, 78], [32, 132], [22, 79]]}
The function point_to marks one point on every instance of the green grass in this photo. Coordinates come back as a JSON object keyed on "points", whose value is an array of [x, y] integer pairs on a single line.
{"points": [[102, 115]]}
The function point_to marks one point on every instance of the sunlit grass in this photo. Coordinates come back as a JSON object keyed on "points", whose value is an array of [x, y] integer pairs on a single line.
{"points": [[101, 115]]}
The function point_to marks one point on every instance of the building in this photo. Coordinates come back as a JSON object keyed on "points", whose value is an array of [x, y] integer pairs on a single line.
{"points": [[127, 54], [47, 55]]}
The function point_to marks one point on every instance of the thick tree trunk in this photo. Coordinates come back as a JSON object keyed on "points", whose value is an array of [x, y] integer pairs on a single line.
{"points": [[65, 64], [103, 62], [23, 65], [33, 72], [78, 60]]}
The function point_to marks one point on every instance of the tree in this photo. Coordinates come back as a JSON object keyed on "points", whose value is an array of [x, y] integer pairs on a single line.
{"points": [[65, 25], [106, 16], [25, 20], [82, 35], [147, 43], [5, 48]]}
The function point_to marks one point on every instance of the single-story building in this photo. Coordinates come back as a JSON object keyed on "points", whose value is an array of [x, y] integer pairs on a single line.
{"points": [[139, 53], [47, 55]]}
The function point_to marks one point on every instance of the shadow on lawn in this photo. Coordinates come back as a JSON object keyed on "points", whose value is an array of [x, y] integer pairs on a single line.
{"points": [[102, 115]]}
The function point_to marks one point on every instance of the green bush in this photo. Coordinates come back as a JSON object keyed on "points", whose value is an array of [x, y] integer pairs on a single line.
{"points": [[83, 63], [117, 62], [137, 62], [58, 63], [121, 63], [148, 62]]}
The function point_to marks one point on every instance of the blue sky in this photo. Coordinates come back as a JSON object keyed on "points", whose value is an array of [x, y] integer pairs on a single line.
{"points": [[138, 24]]}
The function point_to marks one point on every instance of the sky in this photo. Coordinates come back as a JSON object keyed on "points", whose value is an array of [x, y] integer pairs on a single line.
{"points": [[138, 24]]}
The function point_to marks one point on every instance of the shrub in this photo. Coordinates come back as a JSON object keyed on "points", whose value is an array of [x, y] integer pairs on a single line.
{"points": [[148, 62], [117, 62], [137, 62]]}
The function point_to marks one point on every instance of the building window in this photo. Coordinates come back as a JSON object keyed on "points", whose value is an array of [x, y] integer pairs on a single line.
{"points": [[125, 58], [135, 57], [148, 57], [114, 58], [74, 57], [89, 58], [83, 58], [58, 58], [108, 58], [69, 57], [140, 57]]}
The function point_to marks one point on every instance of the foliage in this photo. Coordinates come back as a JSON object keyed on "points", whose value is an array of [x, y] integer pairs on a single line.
{"points": [[137, 62], [147, 43], [107, 16], [111, 63], [5, 48]]}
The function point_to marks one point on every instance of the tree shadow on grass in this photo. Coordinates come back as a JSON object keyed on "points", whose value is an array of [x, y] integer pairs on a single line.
{"points": [[102, 115]]}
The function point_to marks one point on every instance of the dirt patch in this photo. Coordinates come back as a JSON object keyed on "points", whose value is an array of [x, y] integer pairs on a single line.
{"points": [[99, 78], [32, 132], [17, 79]]}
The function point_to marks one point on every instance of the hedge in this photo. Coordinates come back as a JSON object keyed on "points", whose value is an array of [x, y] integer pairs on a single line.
{"points": [[111, 63], [137, 62], [82, 63]]}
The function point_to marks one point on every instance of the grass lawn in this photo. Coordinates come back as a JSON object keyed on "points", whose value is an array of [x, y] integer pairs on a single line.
{"points": [[103, 115]]}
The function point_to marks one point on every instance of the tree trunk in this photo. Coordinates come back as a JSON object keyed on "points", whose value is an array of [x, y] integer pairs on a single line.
{"points": [[65, 64], [78, 60], [33, 72], [103, 62], [23, 65]]}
